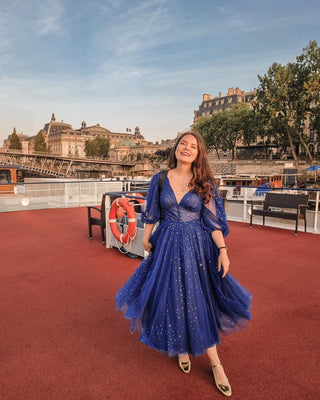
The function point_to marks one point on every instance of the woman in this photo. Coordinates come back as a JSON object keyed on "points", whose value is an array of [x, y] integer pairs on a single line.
{"points": [[181, 296]]}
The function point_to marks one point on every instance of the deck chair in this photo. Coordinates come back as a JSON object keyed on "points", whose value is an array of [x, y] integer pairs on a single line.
{"points": [[99, 220]]}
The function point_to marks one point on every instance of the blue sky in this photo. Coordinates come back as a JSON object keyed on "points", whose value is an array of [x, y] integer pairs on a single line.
{"points": [[146, 63]]}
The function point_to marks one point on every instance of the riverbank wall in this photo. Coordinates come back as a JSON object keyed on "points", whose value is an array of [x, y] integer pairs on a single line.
{"points": [[254, 167]]}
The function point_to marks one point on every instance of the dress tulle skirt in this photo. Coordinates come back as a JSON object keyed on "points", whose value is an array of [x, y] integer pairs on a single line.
{"points": [[176, 297]]}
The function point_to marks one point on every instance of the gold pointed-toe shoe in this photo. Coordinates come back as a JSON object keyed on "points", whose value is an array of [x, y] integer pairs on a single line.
{"points": [[185, 366], [224, 389]]}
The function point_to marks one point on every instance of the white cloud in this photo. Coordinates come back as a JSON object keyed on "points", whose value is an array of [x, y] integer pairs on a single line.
{"points": [[133, 29], [48, 15], [142, 62]]}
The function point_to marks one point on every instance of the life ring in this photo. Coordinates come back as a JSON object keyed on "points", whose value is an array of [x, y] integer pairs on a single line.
{"points": [[141, 201], [129, 235]]}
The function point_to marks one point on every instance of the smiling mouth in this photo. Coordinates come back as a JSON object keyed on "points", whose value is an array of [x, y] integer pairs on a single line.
{"points": [[185, 154]]}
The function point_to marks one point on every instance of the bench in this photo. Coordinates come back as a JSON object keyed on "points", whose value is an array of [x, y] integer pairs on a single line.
{"points": [[282, 205]]}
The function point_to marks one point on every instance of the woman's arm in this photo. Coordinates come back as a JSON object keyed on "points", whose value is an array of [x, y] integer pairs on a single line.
{"points": [[223, 259], [148, 228]]}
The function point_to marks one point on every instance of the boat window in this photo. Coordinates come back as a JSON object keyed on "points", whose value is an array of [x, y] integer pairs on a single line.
{"points": [[5, 177]]}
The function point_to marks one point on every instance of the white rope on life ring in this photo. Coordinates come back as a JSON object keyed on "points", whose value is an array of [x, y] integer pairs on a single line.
{"points": [[130, 234]]}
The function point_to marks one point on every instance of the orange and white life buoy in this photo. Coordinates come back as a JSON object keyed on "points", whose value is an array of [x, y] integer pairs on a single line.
{"points": [[141, 201], [129, 235]]}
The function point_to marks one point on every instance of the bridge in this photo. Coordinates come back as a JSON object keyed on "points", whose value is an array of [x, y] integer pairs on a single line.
{"points": [[63, 167]]}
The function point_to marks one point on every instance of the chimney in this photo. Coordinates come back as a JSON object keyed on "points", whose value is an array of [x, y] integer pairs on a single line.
{"points": [[206, 97], [219, 94]]}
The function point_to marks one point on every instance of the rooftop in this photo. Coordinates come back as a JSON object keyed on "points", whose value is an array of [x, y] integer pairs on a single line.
{"points": [[62, 338]]}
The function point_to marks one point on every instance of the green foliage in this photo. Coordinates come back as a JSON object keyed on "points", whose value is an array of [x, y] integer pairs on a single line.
{"points": [[40, 143], [287, 94], [309, 63], [222, 130], [315, 121], [97, 147], [163, 154], [14, 141]]}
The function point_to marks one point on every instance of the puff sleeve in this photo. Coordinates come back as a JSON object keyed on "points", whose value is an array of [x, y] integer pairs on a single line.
{"points": [[150, 212], [213, 215]]}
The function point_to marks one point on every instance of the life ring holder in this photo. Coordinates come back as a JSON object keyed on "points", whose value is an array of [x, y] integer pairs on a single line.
{"points": [[130, 234]]}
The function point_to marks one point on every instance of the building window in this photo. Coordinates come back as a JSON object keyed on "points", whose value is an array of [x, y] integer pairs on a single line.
{"points": [[312, 135], [311, 149], [5, 176]]}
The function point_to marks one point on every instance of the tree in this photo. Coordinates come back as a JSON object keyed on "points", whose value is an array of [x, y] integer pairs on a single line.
{"points": [[97, 147], [222, 130], [14, 141], [89, 148], [278, 99], [209, 128], [309, 63], [40, 143], [315, 121], [163, 154], [287, 94]]}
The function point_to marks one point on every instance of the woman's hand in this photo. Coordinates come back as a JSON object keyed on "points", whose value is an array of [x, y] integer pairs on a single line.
{"points": [[147, 246], [146, 236], [224, 261]]}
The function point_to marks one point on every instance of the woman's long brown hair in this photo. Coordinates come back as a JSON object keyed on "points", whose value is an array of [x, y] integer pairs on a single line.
{"points": [[203, 180]]}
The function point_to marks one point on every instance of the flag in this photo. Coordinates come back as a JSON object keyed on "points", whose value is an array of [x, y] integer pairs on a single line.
{"points": [[128, 130]]}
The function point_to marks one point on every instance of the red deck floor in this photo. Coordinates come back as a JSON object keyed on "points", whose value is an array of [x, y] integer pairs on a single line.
{"points": [[62, 339]]}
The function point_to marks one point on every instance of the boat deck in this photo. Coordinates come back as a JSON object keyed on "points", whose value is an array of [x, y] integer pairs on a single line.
{"points": [[61, 337]]}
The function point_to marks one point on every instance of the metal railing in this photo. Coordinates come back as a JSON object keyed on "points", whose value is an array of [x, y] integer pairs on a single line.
{"points": [[76, 193], [243, 195], [56, 194]]}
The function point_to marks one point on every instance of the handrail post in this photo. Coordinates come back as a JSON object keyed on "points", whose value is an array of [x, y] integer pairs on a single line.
{"points": [[107, 207], [96, 191], [66, 194], [316, 213], [245, 195], [79, 194]]}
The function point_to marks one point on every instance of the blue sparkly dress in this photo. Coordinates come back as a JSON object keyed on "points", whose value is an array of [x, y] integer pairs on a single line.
{"points": [[176, 297]]}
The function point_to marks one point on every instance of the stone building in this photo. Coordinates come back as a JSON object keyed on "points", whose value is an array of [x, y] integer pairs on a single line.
{"points": [[313, 139], [127, 150], [212, 105], [65, 141]]}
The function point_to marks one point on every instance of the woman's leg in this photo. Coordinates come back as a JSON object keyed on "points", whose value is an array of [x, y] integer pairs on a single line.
{"points": [[217, 368], [184, 357]]}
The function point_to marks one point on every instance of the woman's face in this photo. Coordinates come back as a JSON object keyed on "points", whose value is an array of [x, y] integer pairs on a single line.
{"points": [[187, 149]]}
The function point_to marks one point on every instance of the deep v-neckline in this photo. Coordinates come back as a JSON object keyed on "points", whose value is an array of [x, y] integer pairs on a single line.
{"points": [[174, 195]]}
